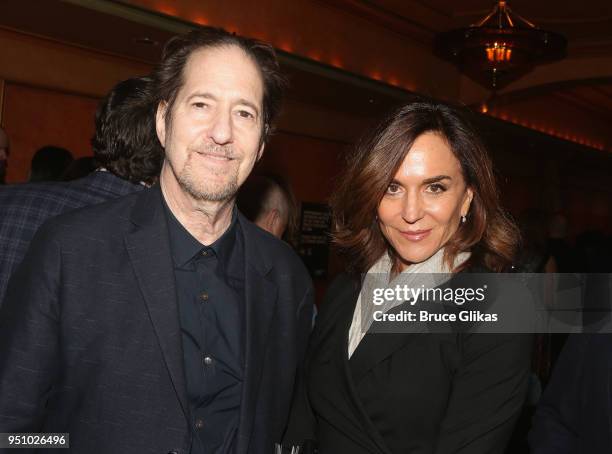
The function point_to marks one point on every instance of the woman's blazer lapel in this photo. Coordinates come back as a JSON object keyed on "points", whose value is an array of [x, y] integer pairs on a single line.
{"points": [[333, 333]]}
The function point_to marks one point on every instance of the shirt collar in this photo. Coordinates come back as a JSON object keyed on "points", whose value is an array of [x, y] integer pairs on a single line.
{"points": [[185, 247]]}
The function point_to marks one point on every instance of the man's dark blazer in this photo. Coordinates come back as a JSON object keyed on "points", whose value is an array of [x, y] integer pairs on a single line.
{"points": [[406, 392], [574, 415], [24, 208], [90, 341]]}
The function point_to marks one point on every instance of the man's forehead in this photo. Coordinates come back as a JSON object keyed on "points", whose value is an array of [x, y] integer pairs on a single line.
{"points": [[227, 66]]}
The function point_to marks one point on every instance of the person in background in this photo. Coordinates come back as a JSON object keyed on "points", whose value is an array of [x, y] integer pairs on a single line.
{"points": [[79, 168], [417, 204], [165, 321], [267, 201], [126, 145], [535, 256], [559, 245], [4, 152], [49, 164], [574, 413]]}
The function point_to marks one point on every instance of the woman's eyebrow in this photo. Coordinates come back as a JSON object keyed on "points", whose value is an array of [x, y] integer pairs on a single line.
{"points": [[436, 179]]}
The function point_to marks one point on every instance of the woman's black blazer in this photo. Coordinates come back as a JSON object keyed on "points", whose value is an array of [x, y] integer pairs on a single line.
{"points": [[406, 393]]}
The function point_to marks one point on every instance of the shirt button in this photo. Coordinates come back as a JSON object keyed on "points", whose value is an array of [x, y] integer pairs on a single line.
{"points": [[208, 360], [204, 253], [204, 296], [199, 423]]}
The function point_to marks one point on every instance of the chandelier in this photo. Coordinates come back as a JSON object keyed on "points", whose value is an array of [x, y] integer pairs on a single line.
{"points": [[500, 48]]}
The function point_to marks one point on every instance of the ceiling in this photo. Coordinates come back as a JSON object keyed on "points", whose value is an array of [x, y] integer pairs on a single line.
{"points": [[141, 37], [119, 29], [586, 24]]}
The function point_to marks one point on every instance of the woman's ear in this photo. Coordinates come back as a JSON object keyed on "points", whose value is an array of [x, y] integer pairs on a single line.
{"points": [[467, 201]]}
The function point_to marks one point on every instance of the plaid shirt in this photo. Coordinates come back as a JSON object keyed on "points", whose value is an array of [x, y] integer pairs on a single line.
{"points": [[25, 207]]}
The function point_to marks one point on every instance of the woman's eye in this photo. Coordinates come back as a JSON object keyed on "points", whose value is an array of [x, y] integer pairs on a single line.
{"points": [[393, 188], [436, 188], [199, 105]]}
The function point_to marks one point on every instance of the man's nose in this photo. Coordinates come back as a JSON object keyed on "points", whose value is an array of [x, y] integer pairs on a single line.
{"points": [[221, 128]]}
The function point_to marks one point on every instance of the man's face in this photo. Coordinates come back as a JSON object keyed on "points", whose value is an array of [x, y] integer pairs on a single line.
{"points": [[213, 138]]}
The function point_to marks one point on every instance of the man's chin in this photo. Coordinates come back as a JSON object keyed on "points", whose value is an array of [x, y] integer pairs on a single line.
{"points": [[211, 193]]}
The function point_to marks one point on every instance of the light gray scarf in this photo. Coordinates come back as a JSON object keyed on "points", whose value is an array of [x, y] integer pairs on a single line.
{"points": [[430, 273]]}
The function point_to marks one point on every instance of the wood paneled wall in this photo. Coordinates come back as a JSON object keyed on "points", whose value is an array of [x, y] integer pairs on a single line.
{"points": [[35, 117]]}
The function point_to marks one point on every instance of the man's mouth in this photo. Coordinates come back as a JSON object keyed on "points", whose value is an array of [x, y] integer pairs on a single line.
{"points": [[215, 156]]}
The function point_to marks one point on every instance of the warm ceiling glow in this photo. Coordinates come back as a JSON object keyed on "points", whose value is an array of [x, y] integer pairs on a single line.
{"points": [[286, 46], [314, 55], [548, 130], [335, 61], [166, 9]]}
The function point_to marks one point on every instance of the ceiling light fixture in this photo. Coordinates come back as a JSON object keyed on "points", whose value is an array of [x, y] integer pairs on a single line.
{"points": [[500, 48]]}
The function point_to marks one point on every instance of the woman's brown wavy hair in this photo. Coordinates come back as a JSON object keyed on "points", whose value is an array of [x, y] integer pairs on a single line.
{"points": [[488, 232]]}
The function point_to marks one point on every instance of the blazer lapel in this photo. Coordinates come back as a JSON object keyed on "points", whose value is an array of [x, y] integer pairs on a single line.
{"points": [[380, 342], [383, 339], [373, 348], [149, 251], [260, 304], [351, 414]]}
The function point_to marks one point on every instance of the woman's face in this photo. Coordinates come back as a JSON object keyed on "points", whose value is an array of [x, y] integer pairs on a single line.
{"points": [[423, 205]]}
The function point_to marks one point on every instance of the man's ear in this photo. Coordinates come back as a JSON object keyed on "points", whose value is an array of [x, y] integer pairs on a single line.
{"points": [[261, 151], [262, 146], [275, 223], [160, 122]]}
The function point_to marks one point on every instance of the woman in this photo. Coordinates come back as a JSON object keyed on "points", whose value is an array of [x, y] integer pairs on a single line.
{"points": [[417, 199]]}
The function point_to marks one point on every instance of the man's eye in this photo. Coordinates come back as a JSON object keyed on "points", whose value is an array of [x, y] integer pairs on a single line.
{"points": [[200, 105], [436, 188], [245, 114]]}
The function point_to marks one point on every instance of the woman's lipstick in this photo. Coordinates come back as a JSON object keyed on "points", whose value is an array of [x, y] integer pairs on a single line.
{"points": [[415, 235]]}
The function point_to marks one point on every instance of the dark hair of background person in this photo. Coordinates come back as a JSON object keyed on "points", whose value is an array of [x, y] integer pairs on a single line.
{"points": [[168, 75], [488, 232], [4, 154], [125, 141], [49, 163], [534, 253], [255, 193], [80, 168]]}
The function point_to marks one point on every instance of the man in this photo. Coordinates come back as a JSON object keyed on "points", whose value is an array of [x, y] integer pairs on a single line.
{"points": [[4, 152], [49, 164], [124, 144], [269, 203], [165, 322], [573, 415]]}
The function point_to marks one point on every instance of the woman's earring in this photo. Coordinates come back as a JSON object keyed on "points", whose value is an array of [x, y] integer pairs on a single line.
{"points": [[463, 219]]}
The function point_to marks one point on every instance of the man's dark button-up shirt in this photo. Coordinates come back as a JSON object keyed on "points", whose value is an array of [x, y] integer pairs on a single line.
{"points": [[210, 290]]}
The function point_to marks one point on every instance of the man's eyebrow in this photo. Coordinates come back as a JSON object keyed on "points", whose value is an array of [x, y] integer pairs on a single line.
{"points": [[205, 95], [199, 94], [436, 179], [248, 103]]}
